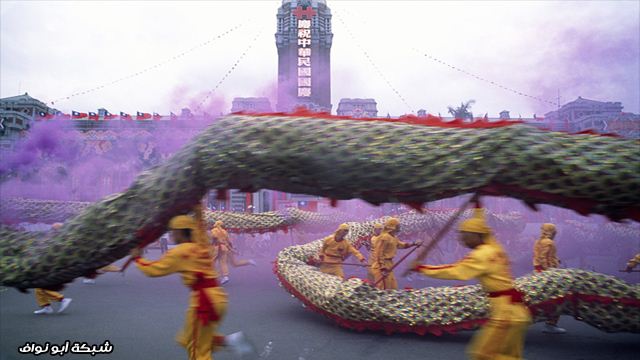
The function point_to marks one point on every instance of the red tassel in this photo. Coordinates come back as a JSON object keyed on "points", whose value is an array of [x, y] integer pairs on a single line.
{"points": [[333, 202]]}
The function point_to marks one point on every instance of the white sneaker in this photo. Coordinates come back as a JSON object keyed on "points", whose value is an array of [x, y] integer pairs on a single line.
{"points": [[552, 329], [44, 311], [225, 279], [64, 304], [88, 281], [240, 345], [252, 262]]}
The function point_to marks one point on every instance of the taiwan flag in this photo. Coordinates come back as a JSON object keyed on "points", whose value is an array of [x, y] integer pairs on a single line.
{"points": [[142, 116], [108, 115], [156, 116], [124, 116], [62, 116], [93, 116], [78, 115], [44, 115]]}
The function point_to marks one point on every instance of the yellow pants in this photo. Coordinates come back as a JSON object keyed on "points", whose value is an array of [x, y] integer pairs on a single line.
{"points": [[502, 337], [332, 269], [371, 276], [389, 282], [199, 340], [44, 297], [498, 340], [223, 260]]}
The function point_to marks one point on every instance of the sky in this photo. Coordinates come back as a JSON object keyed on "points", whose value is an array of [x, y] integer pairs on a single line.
{"points": [[160, 56]]}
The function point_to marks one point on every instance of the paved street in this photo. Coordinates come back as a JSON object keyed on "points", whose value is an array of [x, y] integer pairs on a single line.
{"points": [[140, 317]]}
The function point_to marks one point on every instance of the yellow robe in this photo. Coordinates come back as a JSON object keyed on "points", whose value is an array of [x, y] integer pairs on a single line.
{"points": [[545, 255], [333, 253], [193, 261], [502, 337], [385, 250], [225, 251], [634, 262], [372, 260]]}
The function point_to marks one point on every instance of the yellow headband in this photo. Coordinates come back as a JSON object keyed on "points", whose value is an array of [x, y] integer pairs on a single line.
{"points": [[218, 223], [476, 224], [391, 224], [548, 229], [343, 227], [183, 222], [377, 226]]}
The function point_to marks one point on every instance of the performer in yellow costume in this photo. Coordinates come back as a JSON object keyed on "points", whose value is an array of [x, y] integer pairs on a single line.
{"points": [[633, 263], [192, 258], [387, 245], [545, 257], [45, 297], [377, 230], [335, 248], [226, 251], [502, 337]]}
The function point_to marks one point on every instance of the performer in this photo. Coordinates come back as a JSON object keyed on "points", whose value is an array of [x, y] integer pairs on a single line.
{"points": [[387, 246], [45, 297], [226, 251], [545, 257], [377, 230], [502, 337], [208, 301], [633, 263], [334, 250]]}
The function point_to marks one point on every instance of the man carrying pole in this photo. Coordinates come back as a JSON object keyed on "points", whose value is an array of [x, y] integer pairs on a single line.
{"points": [[387, 245], [502, 337], [335, 248]]}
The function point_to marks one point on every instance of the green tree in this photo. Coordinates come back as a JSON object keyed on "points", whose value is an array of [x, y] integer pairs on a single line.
{"points": [[463, 111]]}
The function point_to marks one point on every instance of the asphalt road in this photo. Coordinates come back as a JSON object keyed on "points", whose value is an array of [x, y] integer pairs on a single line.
{"points": [[140, 317]]}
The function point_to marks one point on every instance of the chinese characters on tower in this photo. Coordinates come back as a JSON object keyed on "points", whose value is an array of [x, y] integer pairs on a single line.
{"points": [[304, 58], [304, 49]]}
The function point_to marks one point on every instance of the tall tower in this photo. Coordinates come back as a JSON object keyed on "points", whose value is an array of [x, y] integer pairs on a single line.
{"points": [[304, 61]]}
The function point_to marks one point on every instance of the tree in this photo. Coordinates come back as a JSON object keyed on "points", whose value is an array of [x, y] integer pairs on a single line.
{"points": [[462, 112]]}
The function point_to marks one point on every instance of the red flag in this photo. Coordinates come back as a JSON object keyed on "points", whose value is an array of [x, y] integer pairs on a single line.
{"points": [[124, 116], [156, 116], [78, 115], [93, 116], [142, 116], [44, 115], [62, 116], [108, 115]]}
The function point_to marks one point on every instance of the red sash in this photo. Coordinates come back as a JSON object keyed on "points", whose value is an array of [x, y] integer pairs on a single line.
{"points": [[516, 296], [205, 310]]}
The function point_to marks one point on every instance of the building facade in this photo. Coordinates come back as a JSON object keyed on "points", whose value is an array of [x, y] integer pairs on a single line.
{"points": [[251, 105], [599, 116], [358, 108], [303, 40], [17, 114]]}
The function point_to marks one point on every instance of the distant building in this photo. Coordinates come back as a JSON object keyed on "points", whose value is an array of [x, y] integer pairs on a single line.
{"points": [[358, 108], [251, 104], [603, 117], [17, 114]]}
